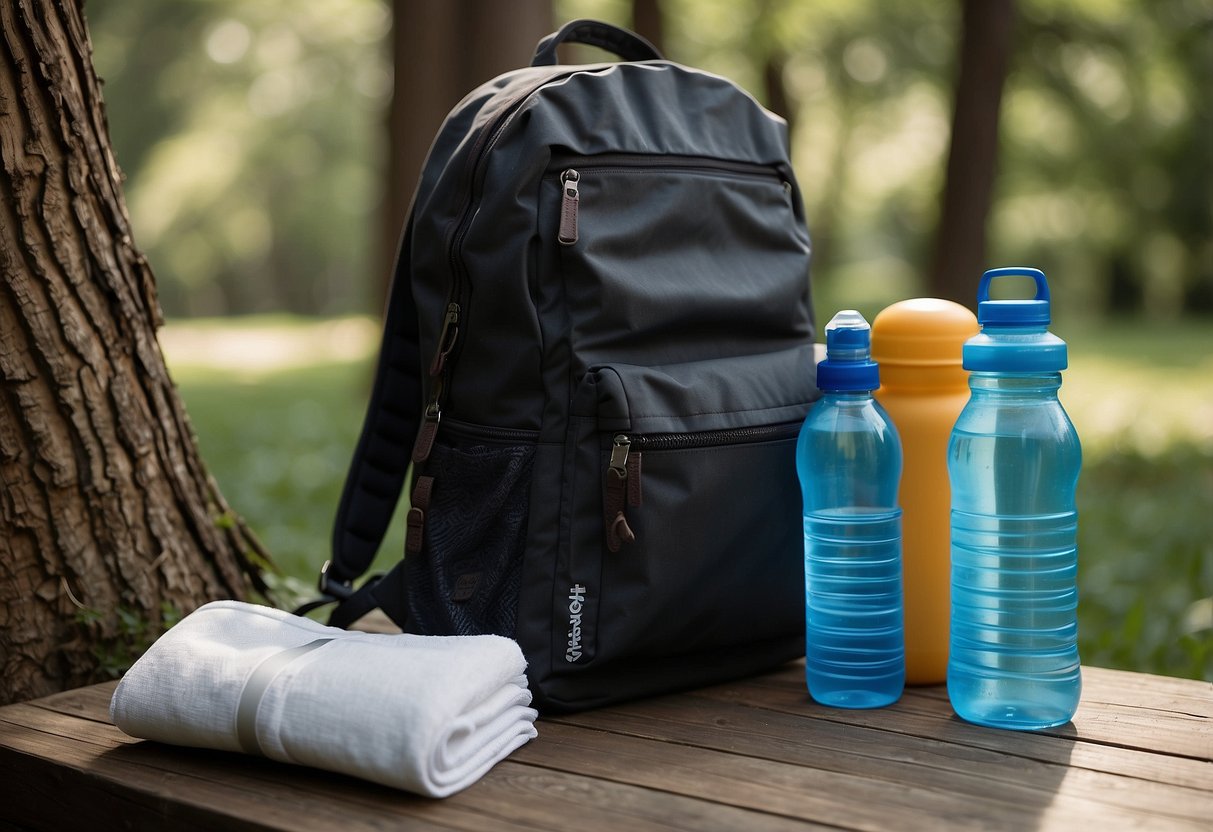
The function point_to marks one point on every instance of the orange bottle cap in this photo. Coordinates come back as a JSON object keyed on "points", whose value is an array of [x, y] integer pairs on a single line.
{"points": [[922, 332]]}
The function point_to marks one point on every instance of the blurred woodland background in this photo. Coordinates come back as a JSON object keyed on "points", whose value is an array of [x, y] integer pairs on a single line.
{"points": [[270, 148]]}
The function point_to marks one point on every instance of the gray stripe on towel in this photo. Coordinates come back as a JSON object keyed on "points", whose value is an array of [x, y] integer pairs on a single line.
{"points": [[256, 686]]}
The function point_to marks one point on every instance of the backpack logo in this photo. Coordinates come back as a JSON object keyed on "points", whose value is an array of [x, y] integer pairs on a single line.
{"points": [[576, 603]]}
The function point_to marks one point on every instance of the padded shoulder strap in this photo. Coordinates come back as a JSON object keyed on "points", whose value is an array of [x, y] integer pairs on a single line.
{"points": [[381, 460]]}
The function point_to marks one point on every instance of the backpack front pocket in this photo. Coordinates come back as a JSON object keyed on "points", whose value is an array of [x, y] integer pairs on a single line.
{"points": [[684, 518], [672, 259]]}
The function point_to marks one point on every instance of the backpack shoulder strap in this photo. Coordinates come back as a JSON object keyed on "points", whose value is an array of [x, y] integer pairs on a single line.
{"points": [[381, 460]]}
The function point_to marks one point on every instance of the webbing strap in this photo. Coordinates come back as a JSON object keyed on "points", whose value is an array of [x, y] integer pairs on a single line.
{"points": [[255, 687], [381, 459], [387, 593]]}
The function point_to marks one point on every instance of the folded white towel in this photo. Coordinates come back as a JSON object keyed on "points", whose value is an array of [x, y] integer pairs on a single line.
{"points": [[429, 714]]}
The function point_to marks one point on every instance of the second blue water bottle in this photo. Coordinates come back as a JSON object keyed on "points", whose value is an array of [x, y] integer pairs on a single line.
{"points": [[849, 462], [1013, 461]]}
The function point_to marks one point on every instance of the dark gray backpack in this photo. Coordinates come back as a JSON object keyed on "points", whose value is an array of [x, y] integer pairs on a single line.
{"points": [[598, 352]]}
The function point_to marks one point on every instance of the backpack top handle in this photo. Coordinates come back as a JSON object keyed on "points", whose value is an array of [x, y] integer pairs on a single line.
{"points": [[627, 45]]}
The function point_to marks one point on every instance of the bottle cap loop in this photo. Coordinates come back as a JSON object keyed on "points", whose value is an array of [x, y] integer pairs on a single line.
{"points": [[1028, 312], [1013, 338]]}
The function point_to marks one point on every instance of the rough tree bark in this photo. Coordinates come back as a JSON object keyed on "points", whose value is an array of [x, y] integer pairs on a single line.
{"points": [[960, 239], [109, 522]]}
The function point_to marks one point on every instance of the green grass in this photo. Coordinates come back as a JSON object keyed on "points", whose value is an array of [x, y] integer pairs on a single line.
{"points": [[1146, 562], [278, 439]]}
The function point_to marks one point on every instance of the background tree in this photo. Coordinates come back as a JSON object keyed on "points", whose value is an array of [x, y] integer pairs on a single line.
{"points": [[109, 523], [648, 19], [442, 50], [960, 238]]}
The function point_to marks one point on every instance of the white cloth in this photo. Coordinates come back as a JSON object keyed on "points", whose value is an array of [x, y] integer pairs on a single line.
{"points": [[430, 714]]}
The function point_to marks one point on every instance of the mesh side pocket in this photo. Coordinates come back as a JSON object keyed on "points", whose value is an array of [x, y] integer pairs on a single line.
{"points": [[466, 578]]}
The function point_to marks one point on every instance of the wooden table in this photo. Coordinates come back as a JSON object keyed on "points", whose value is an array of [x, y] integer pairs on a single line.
{"points": [[751, 755]]}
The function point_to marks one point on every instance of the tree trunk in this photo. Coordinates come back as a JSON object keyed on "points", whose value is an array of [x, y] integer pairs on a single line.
{"points": [[109, 523], [960, 242], [442, 50], [648, 21]]}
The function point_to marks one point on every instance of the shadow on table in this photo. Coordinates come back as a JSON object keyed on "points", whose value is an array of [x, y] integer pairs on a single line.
{"points": [[1027, 770], [237, 777]]}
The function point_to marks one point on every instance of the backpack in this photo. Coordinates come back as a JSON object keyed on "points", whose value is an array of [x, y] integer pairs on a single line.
{"points": [[596, 358]]}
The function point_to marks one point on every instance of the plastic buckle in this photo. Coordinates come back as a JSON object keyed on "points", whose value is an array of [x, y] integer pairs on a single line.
{"points": [[333, 589]]}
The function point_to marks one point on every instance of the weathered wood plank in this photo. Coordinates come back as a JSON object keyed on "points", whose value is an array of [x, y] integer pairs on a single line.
{"points": [[1164, 693], [755, 754], [881, 757], [838, 798], [156, 785], [1106, 715], [1100, 685], [92, 702], [921, 714]]}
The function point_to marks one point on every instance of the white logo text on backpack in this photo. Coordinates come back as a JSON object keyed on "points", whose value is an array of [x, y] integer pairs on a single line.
{"points": [[576, 602]]}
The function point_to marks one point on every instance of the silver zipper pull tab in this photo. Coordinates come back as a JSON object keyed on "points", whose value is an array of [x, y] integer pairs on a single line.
{"points": [[568, 207], [616, 495], [620, 447]]}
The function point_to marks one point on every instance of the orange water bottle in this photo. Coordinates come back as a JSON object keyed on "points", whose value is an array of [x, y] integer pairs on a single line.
{"points": [[917, 344]]}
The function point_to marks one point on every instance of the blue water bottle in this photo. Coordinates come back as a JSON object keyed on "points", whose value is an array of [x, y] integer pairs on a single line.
{"points": [[1013, 462], [848, 458]]}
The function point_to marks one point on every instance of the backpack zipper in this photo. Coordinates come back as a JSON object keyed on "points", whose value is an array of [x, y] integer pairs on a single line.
{"points": [[448, 339], [492, 433], [570, 177], [623, 489]]}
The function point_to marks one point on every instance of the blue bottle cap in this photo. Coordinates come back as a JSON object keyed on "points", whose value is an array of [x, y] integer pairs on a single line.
{"points": [[1013, 337], [1033, 312], [848, 365]]}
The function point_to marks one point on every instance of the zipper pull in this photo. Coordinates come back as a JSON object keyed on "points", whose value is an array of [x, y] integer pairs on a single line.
{"points": [[446, 338], [568, 207], [619, 492], [620, 448], [428, 431], [432, 415], [634, 496]]}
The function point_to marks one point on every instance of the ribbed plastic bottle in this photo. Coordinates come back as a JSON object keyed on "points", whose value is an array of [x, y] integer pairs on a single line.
{"points": [[1013, 461], [848, 458], [917, 344]]}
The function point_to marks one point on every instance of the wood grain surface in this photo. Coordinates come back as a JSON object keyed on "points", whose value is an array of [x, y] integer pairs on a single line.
{"points": [[751, 755]]}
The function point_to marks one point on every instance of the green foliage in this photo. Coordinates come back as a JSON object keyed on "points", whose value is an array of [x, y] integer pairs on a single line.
{"points": [[250, 134], [291, 591], [1146, 562], [1137, 388], [1108, 153], [278, 436], [121, 636]]}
